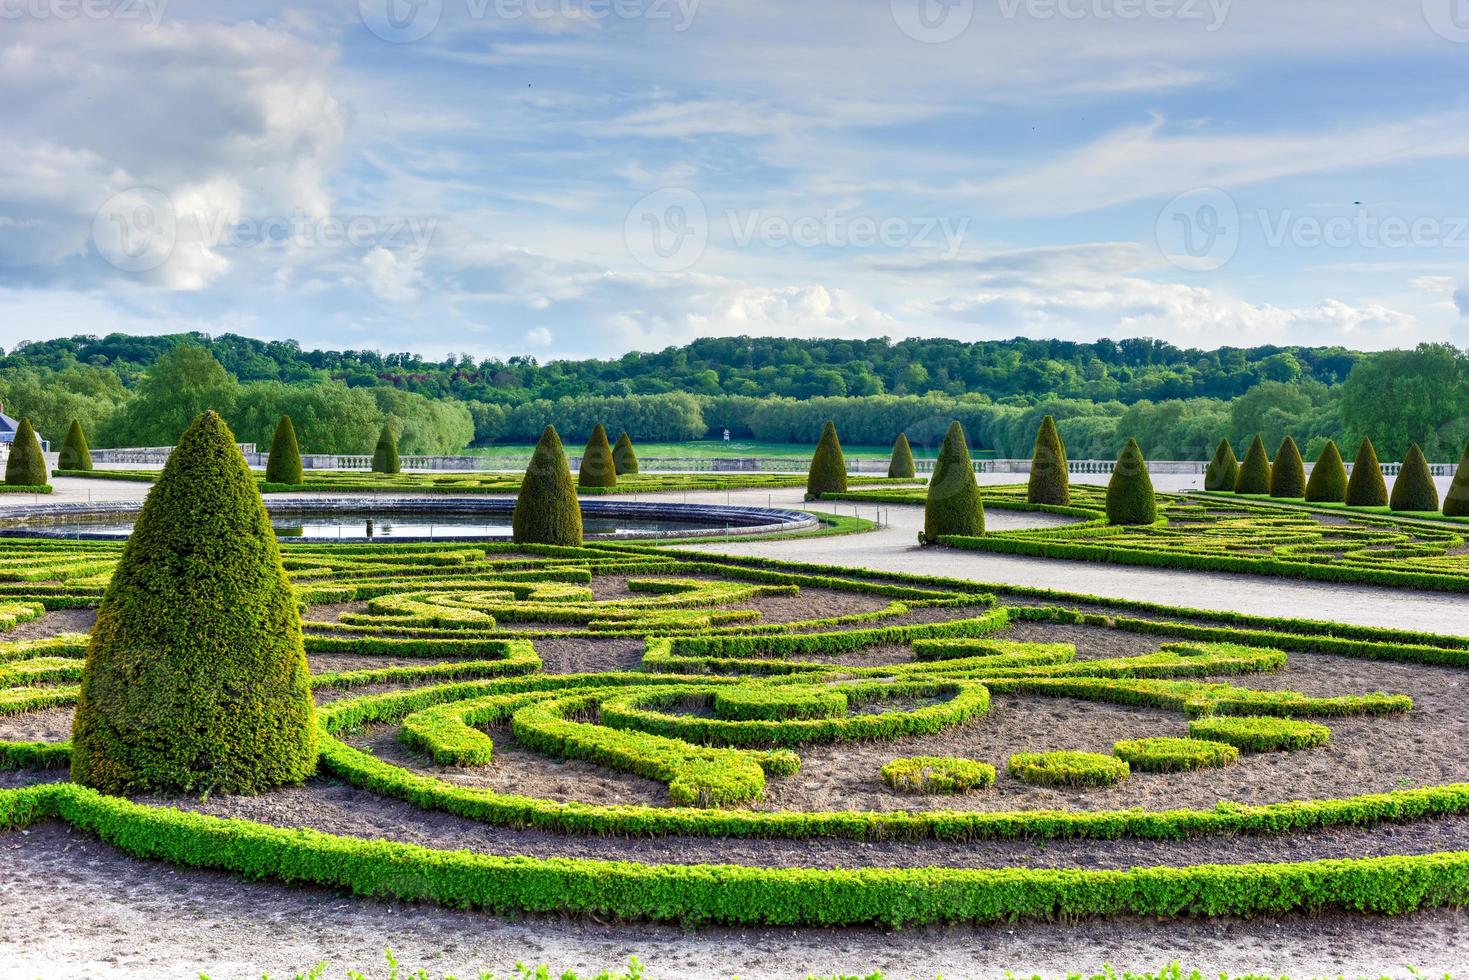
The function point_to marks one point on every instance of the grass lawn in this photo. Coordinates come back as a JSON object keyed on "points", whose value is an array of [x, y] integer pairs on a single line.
{"points": [[710, 448]]}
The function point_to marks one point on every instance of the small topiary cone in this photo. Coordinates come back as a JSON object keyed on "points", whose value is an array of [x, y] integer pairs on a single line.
{"points": [[1049, 481], [547, 511], [598, 469], [1456, 501], [1288, 475], [953, 505], [828, 466], [1413, 490], [1254, 472], [1328, 483], [1130, 498], [385, 456], [284, 464], [75, 453], [901, 466], [1366, 488], [1223, 471], [26, 466], [624, 457]]}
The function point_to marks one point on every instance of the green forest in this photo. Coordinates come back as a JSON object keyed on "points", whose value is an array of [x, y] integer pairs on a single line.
{"points": [[142, 391]]}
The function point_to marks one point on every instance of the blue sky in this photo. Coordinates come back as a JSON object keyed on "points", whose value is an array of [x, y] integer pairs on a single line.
{"points": [[587, 177]]}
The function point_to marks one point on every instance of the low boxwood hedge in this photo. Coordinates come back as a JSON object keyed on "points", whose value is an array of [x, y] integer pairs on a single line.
{"points": [[937, 774], [1068, 768], [1261, 734], [1166, 754]]}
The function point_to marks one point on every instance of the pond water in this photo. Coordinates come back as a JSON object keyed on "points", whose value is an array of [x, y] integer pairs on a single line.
{"points": [[388, 525]]}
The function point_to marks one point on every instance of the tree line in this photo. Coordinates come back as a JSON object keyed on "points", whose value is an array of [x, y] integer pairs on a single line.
{"points": [[1399, 397]]}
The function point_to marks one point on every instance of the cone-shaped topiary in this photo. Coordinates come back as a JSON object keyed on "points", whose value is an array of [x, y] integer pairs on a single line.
{"points": [[828, 465], [597, 466], [624, 457], [284, 464], [1366, 488], [953, 505], [1456, 501], [901, 467], [75, 453], [1254, 472], [1328, 483], [1130, 497], [385, 456], [547, 511], [1288, 475], [1049, 481], [1223, 471], [196, 678], [26, 466], [1414, 489]]}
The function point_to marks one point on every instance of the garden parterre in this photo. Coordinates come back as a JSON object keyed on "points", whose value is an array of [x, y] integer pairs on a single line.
{"points": [[747, 678], [1218, 533]]}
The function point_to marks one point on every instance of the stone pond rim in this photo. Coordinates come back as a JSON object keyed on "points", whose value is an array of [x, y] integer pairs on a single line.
{"points": [[68, 521]]}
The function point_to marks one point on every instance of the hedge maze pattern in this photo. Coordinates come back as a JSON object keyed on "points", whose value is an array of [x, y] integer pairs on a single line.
{"points": [[746, 669], [1208, 533]]}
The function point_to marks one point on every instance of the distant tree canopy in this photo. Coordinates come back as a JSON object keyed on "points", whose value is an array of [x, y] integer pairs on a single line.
{"points": [[1177, 403]]}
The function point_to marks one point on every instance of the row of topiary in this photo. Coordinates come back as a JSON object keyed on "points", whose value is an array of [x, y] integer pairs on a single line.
{"points": [[1285, 478]]}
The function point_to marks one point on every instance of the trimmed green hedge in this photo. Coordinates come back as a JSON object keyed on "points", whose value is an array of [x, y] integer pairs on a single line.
{"points": [[1414, 489], [1261, 734], [598, 469], [284, 462], [1130, 498], [828, 473], [1068, 769], [952, 503], [901, 465], [1165, 754], [547, 511], [1222, 473], [737, 894], [1456, 501], [624, 456], [1254, 472], [26, 466], [1288, 475], [75, 454], [1366, 488], [1050, 483], [1328, 483], [385, 454], [937, 774]]}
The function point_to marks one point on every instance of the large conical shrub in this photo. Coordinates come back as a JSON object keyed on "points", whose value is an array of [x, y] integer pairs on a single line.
{"points": [[26, 466], [1456, 501], [901, 467], [598, 469], [953, 505], [1366, 488], [1328, 483], [624, 457], [1414, 489], [1222, 472], [284, 464], [1288, 475], [1049, 481], [828, 466], [1130, 498], [196, 678], [547, 511], [385, 456], [75, 453], [1254, 472]]}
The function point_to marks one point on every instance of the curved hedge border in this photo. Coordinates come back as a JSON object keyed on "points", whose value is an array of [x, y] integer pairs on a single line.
{"points": [[1068, 769], [937, 774], [733, 894]]}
